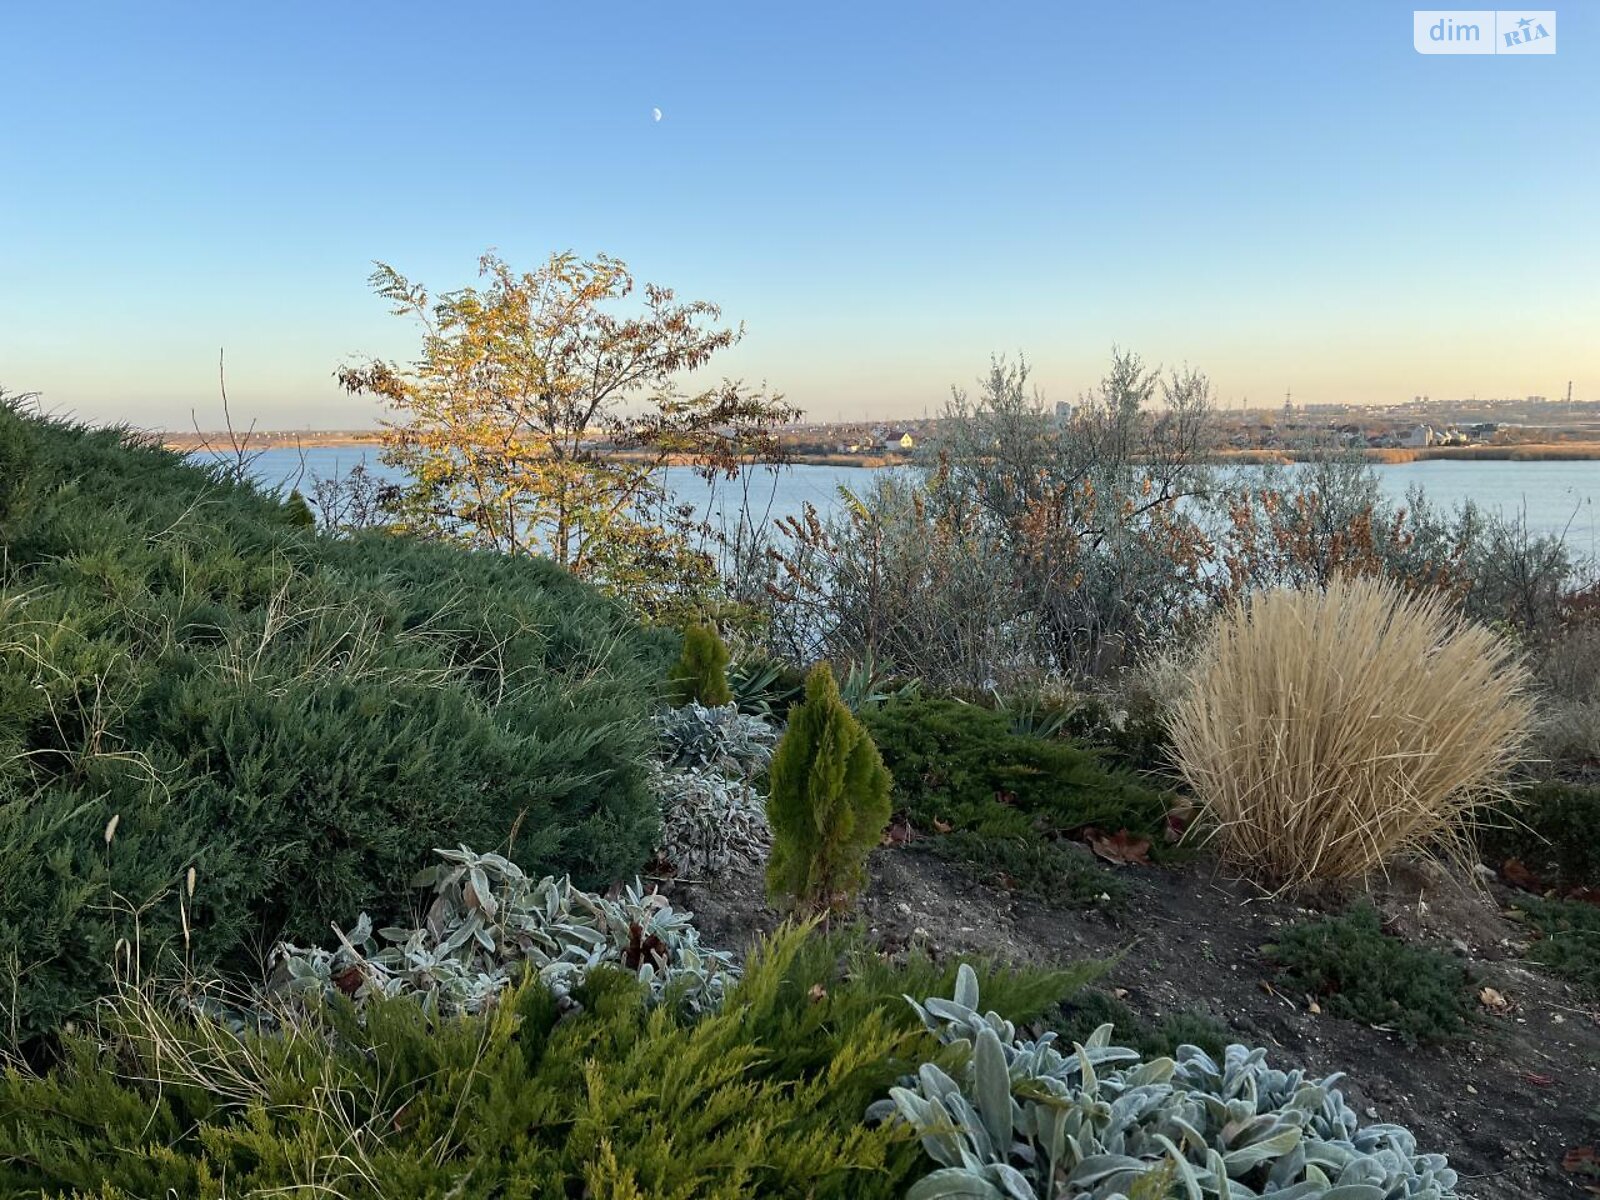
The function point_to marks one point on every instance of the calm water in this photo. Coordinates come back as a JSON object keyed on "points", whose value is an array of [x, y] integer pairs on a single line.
{"points": [[1557, 497], [769, 495]]}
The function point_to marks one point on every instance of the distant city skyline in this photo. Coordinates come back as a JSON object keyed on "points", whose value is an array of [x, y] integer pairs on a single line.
{"points": [[1285, 197], [870, 417]]}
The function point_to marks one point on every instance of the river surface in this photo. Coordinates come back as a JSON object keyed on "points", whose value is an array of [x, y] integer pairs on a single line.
{"points": [[1555, 497]]}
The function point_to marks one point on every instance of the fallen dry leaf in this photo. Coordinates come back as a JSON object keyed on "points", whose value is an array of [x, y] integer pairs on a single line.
{"points": [[1490, 998], [1538, 1080], [1515, 872], [1582, 1160], [1121, 847], [898, 833], [349, 980], [941, 826], [818, 993]]}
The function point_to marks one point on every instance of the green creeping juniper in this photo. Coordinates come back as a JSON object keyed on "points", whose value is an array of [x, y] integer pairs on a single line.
{"points": [[219, 727], [829, 801], [1362, 973], [612, 1096]]}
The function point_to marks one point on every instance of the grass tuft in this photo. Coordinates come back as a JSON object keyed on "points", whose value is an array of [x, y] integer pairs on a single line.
{"points": [[1329, 731]]}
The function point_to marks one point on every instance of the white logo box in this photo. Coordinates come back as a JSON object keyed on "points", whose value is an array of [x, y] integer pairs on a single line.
{"points": [[1484, 31]]}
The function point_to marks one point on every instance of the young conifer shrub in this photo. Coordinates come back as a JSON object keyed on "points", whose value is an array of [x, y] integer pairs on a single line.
{"points": [[829, 800], [1328, 731], [700, 675]]}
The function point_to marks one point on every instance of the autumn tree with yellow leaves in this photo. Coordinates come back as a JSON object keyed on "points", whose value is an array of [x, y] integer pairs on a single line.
{"points": [[542, 408]]}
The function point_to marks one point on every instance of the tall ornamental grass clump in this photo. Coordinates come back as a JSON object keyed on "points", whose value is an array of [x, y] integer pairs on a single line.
{"points": [[191, 681], [1328, 731]]}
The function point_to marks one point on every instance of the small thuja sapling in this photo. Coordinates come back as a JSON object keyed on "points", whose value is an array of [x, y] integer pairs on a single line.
{"points": [[700, 675], [829, 801]]}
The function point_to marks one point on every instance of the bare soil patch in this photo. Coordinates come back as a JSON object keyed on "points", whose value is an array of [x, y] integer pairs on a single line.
{"points": [[1506, 1104]]}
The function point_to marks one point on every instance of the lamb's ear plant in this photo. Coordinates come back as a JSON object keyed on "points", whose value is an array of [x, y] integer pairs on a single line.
{"points": [[1038, 1120], [700, 676], [829, 801]]}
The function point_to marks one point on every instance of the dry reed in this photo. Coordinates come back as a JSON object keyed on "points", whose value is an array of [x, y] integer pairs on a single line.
{"points": [[1328, 731]]}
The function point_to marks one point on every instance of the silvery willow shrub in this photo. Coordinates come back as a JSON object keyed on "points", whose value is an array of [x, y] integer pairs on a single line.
{"points": [[1023, 1119], [296, 717], [695, 735], [490, 925], [1066, 553], [710, 822]]}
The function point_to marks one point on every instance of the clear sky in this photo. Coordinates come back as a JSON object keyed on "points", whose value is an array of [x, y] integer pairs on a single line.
{"points": [[1285, 195]]}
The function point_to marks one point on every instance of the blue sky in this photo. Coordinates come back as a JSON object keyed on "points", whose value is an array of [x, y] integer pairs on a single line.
{"points": [[1284, 195]]}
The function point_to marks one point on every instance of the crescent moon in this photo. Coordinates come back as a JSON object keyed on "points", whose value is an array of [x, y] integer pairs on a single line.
{"points": [[655, 114]]}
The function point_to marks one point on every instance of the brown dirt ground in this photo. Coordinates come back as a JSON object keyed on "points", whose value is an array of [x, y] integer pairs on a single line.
{"points": [[1504, 1105]]}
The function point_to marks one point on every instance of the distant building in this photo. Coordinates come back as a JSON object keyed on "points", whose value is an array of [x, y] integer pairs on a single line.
{"points": [[905, 441], [1417, 437], [1063, 414]]}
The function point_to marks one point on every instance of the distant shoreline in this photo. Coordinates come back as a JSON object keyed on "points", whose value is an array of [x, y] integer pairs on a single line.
{"points": [[189, 443], [1252, 456], [1399, 456]]}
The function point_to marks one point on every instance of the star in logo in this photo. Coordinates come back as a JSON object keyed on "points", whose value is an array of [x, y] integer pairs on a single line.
{"points": [[1525, 22]]}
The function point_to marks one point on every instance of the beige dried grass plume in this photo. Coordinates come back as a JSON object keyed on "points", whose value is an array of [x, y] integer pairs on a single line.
{"points": [[1328, 731]]}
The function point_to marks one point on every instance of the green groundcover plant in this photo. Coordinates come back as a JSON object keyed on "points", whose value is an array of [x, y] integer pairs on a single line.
{"points": [[616, 1099], [963, 766], [1568, 944], [1550, 828], [217, 727], [1359, 972]]}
